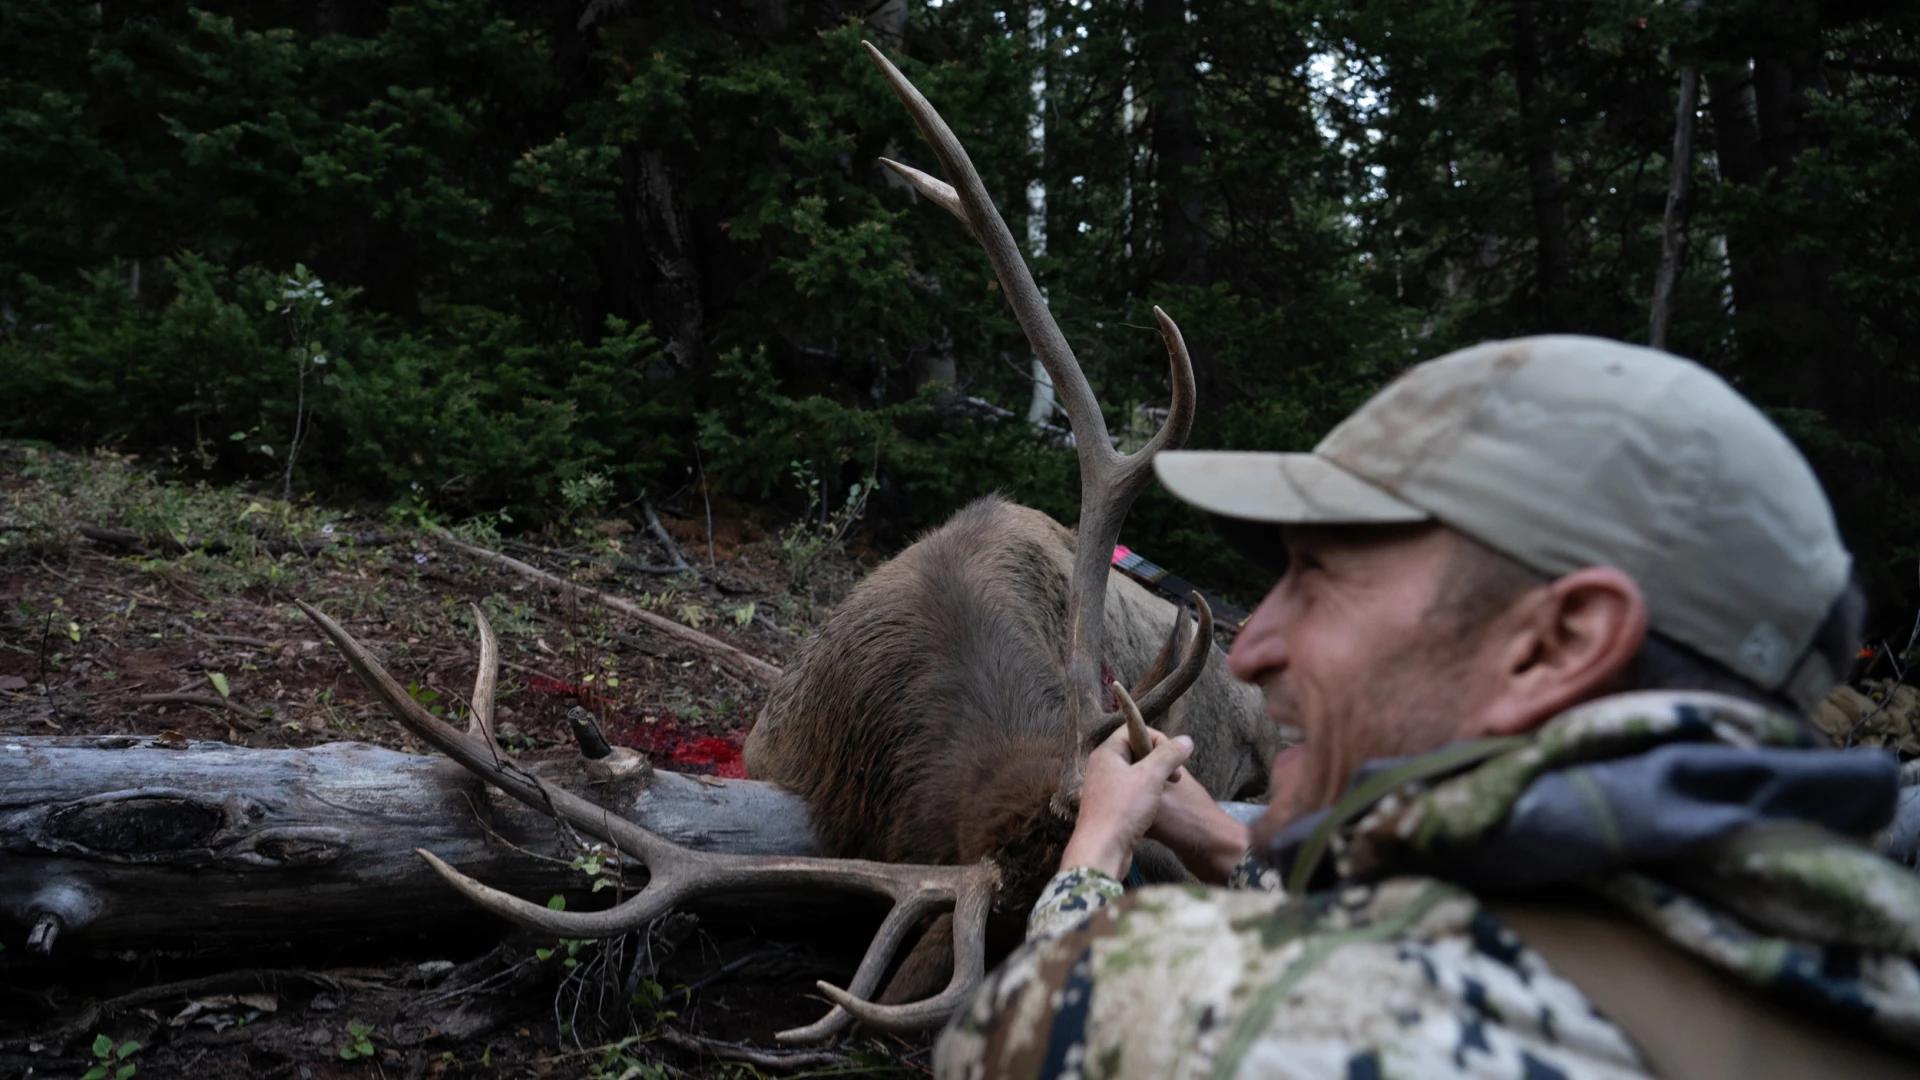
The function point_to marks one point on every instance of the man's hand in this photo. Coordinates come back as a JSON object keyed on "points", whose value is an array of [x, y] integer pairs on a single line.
{"points": [[1207, 840], [1119, 798]]}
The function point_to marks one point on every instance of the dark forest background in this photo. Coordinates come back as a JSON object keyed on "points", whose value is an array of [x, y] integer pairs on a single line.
{"points": [[475, 258]]}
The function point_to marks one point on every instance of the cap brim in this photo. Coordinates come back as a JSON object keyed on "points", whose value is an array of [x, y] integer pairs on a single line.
{"points": [[1279, 489]]}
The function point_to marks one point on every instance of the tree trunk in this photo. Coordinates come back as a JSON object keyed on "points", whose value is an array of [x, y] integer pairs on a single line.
{"points": [[1179, 201], [117, 840], [1676, 214], [1788, 327], [1040, 401], [1552, 250]]}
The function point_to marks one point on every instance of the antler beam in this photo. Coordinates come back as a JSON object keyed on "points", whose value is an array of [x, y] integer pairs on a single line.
{"points": [[1109, 480]]}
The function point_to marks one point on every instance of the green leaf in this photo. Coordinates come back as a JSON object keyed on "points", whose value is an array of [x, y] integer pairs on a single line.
{"points": [[219, 682], [543, 954], [556, 902], [102, 1046], [126, 1049], [125, 1071], [73, 631], [98, 1072]]}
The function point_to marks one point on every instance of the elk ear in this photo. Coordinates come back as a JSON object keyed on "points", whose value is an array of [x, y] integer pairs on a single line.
{"points": [[1564, 644]]}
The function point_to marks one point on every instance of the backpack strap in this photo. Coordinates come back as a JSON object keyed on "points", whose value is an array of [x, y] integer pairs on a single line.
{"points": [[1688, 1019]]}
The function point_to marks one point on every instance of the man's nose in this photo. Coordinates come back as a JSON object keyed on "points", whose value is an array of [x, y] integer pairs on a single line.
{"points": [[1261, 647]]}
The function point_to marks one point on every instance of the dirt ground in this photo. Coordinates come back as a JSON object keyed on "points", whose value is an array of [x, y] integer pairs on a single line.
{"points": [[134, 604]]}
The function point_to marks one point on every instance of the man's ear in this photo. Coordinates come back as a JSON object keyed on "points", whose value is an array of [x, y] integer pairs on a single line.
{"points": [[1564, 644]]}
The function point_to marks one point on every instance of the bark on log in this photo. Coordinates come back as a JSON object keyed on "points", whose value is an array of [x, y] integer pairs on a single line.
{"points": [[120, 840]]}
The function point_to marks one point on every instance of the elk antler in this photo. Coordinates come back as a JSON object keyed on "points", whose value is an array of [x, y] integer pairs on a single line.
{"points": [[1157, 688], [677, 874], [1109, 480]]}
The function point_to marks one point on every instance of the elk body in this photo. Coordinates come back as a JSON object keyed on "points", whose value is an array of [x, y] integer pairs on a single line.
{"points": [[927, 720]]}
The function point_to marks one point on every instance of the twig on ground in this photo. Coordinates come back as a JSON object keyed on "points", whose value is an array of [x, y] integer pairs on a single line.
{"points": [[752, 666], [205, 701], [753, 1055], [679, 561], [242, 981], [131, 541], [708, 502]]}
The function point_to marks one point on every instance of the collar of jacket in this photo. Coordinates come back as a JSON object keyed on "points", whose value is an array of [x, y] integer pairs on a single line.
{"points": [[1631, 781]]}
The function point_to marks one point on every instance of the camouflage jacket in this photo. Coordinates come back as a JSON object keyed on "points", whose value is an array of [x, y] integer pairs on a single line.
{"points": [[1380, 958]]}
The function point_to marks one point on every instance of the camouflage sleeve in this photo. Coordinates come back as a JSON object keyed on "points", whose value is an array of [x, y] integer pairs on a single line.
{"points": [[1254, 876], [1073, 894], [1409, 977]]}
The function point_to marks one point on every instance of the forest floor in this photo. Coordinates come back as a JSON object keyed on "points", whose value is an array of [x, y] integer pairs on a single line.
{"points": [[131, 603], [134, 604]]}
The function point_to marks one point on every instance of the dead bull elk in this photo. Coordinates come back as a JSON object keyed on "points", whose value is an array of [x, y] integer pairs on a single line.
{"points": [[938, 717], [944, 712]]}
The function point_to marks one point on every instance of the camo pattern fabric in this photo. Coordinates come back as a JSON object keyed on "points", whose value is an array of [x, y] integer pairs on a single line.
{"points": [[1393, 971]]}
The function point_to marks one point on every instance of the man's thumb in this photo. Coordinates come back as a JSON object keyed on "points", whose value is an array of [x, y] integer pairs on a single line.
{"points": [[1167, 758]]}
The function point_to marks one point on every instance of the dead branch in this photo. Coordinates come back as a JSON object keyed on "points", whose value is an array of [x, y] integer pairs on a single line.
{"points": [[758, 671]]}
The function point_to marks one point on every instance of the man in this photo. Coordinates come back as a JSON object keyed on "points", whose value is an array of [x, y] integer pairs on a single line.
{"points": [[1548, 616]]}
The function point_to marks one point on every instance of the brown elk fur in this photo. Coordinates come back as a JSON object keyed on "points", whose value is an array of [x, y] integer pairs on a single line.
{"points": [[925, 722]]}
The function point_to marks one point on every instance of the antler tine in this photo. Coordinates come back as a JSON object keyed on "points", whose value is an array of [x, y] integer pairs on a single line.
{"points": [[1165, 691], [1029, 306], [479, 757], [1158, 700], [1164, 660], [635, 911], [873, 965], [485, 679], [935, 191], [969, 966], [1137, 740]]}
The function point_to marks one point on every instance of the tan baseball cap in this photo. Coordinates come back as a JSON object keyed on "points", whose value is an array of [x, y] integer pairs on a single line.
{"points": [[1567, 452]]}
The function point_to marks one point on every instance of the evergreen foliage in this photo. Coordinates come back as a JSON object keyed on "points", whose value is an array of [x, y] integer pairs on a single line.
{"points": [[614, 239]]}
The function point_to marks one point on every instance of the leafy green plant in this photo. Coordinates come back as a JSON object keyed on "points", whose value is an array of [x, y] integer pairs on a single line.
{"points": [[820, 531], [359, 1043], [567, 949], [584, 496], [110, 1059], [302, 298]]}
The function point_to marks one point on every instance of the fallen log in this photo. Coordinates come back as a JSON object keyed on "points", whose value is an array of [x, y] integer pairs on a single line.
{"points": [[120, 840], [115, 841]]}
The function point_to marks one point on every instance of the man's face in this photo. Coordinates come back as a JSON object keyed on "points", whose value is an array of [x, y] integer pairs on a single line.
{"points": [[1356, 655]]}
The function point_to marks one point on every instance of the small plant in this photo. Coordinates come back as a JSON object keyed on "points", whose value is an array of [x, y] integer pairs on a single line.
{"points": [[600, 863], [568, 949], [427, 698], [359, 1041], [301, 299], [618, 1061], [582, 497], [483, 529], [110, 1059], [819, 531]]}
